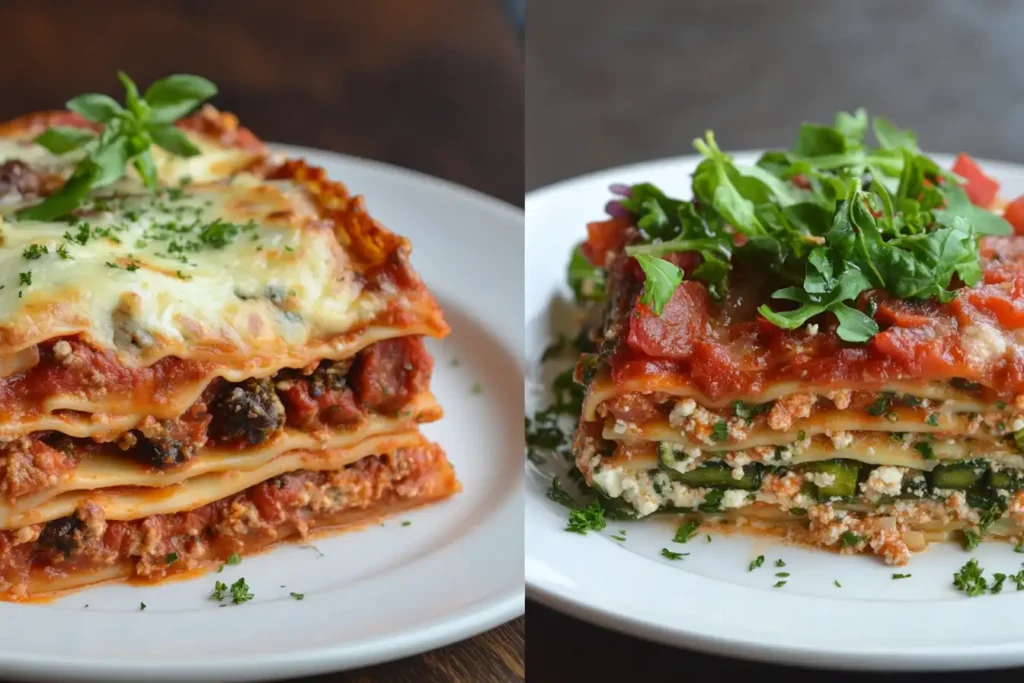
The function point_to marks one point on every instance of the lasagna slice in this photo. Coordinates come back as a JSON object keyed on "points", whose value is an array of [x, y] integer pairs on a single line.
{"points": [[232, 359], [808, 350]]}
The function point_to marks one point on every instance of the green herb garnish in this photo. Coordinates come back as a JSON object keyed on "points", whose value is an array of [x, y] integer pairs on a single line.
{"points": [[755, 563], [686, 531], [666, 553], [129, 132]]}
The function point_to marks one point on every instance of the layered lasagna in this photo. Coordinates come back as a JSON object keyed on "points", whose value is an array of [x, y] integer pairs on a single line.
{"points": [[826, 346], [230, 360]]}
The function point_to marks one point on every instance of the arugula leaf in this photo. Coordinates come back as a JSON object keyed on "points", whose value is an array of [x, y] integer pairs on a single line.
{"points": [[656, 214], [661, 282], [715, 182], [891, 137], [586, 279], [958, 205], [128, 134], [852, 126]]}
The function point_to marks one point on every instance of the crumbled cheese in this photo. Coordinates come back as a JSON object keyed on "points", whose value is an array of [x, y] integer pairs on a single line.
{"points": [[812, 329], [840, 397], [883, 481], [681, 410], [790, 408], [842, 439], [1017, 424], [735, 498], [609, 480], [982, 344], [620, 427], [820, 479], [737, 473]]}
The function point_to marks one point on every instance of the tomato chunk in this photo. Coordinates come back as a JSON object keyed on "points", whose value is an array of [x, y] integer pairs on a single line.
{"points": [[603, 237], [1005, 303], [1014, 215], [980, 188], [905, 313], [682, 322]]}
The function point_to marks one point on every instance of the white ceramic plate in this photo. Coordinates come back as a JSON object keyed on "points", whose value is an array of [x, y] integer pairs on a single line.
{"points": [[709, 600], [372, 595]]}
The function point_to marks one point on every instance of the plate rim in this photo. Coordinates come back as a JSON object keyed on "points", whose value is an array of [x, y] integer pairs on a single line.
{"points": [[491, 610], [571, 603]]}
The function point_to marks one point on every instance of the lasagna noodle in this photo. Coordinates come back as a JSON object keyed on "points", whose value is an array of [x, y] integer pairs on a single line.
{"points": [[413, 473], [108, 471]]}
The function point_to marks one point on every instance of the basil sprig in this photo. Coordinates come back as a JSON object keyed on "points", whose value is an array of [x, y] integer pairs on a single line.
{"points": [[128, 133], [884, 217]]}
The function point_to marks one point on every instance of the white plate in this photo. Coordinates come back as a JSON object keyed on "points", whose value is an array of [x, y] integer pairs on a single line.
{"points": [[372, 595], [709, 600]]}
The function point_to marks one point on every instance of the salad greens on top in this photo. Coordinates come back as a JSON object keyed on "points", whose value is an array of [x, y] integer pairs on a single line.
{"points": [[831, 218]]}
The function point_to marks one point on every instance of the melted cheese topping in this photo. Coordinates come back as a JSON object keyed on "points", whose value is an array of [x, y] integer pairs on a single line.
{"points": [[241, 264]]}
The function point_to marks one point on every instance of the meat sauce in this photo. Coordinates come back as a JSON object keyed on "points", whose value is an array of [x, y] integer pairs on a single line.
{"points": [[381, 379], [163, 545]]}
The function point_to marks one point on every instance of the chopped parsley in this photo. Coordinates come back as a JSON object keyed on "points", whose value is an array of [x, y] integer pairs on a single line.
{"points": [[755, 563], [406, 523], [780, 563], [779, 584], [238, 591], [848, 539], [297, 596], [686, 531], [969, 579], [782, 575], [837, 584], [801, 435], [477, 388], [748, 411], [590, 518], [171, 558], [925, 449], [798, 511], [1019, 548], [932, 419], [142, 606], [879, 406], [34, 251], [620, 539], [971, 539], [1001, 405], [720, 432], [25, 278], [668, 554], [63, 253], [900, 576]]}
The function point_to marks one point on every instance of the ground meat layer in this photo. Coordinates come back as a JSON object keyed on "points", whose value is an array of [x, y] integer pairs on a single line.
{"points": [[36, 558], [381, 379]]}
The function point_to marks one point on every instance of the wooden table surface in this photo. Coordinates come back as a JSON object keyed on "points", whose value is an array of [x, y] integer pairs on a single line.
{"points": [[432, 85], [610, 85]]}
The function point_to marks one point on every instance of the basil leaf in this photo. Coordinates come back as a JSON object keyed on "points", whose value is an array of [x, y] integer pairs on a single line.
{"points": [[662, 280], [854, 326], [64, 139], [143, 163], [95, 107], [64, 200], [110, 161], [131, 96], [173, 140], [175, 96]]}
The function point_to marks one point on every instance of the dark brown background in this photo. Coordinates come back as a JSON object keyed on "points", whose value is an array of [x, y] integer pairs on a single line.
{"points": [[610, 82], [433, 85]]}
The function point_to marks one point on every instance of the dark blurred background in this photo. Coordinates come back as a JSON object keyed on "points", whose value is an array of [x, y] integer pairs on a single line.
{"points": [[610, 83], [433, 85]]}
